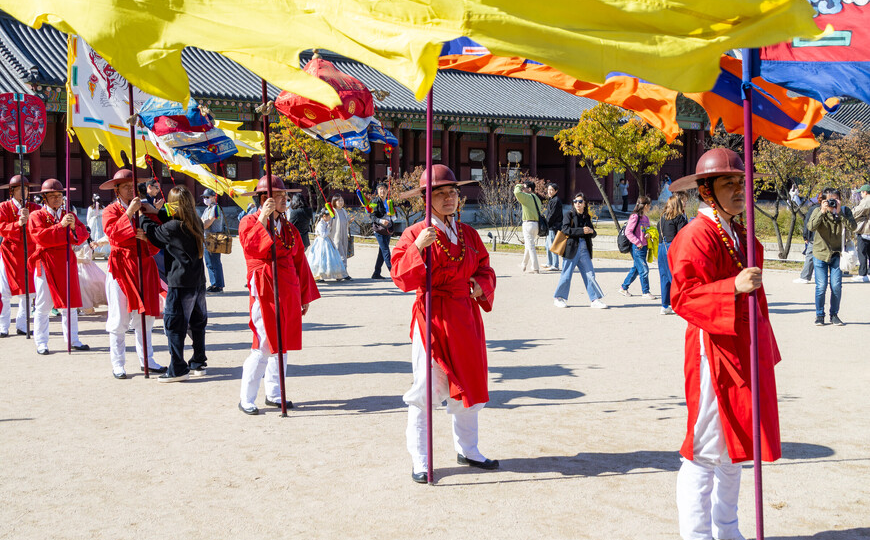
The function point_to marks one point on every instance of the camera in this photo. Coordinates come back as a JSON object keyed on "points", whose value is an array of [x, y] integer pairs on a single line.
{"points": [[832, 203]]}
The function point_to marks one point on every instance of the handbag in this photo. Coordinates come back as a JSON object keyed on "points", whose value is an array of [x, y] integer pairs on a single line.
{"points": [[543, 226], [559, 244], [220, 242], [848, 256]]}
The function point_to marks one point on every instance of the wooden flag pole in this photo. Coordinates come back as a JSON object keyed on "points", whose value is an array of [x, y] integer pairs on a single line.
{"points": [[133, 221], [24, 199], [275, 281], [69, 233], [753, 298], [430, 477]]}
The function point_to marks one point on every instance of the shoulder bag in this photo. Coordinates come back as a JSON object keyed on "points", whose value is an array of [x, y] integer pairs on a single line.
{"points": [[220, 242], [543, 226]]}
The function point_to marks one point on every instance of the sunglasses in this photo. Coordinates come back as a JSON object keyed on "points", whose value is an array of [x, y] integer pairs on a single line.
{"points": [[576, 201]]}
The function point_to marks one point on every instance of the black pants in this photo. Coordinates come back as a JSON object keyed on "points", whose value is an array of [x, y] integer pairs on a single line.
{"points": [[625, 203], [383, 254], [863, 248], [185, 313]]}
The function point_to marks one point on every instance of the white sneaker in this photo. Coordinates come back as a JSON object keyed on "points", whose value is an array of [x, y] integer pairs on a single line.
{"points": [[667, 311], [197, 372], [624, 292], [560, 302], [801, 280], [861, 279], [598, 304], [648, 296]]}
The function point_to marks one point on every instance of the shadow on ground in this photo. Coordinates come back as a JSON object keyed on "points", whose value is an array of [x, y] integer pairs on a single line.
{"points": [[846, 534], [505, 373]]}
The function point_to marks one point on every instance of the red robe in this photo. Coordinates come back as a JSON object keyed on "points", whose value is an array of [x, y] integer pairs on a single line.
{"points": [[458, 340], [124, 262], [702, 292], [296, 286], [12, 248], [50, 249]]}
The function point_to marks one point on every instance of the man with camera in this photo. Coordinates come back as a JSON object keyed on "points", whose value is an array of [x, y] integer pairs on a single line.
{"points": [[828, 222], [862, 217]]}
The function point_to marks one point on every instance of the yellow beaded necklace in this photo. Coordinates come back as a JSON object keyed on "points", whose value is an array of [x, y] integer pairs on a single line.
{"points": [[461, 240], [726, 239]]}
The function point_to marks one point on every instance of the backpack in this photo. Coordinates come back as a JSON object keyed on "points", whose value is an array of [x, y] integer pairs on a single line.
{"points": [[622, 241]]}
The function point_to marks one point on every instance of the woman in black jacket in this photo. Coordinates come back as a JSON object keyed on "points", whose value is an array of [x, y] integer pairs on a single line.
{"points": [[577, 226], [300, 216], [673, 219], [182, 237]]}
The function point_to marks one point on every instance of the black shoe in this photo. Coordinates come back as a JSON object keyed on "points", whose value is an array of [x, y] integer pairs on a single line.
{"points": [[119, 375], [836, 321], [159, 371], [20, 332], [378, 276], [820, 321], [489, 464], [420, 477], [348, 278], [253, 411], [4, 334], [271, 403], [81, 347], [43, 352]]}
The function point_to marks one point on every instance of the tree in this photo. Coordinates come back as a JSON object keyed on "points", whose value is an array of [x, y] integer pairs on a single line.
{"points": [[497, 205], [609, 139], [289, 147], [780, 167], [848, 158]]}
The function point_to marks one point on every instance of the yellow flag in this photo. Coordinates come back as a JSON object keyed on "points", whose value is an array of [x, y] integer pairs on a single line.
{"points": [[673, 43]]}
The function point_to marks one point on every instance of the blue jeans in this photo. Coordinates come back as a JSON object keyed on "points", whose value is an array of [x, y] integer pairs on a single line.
{"points": [[640, 268], [584, 262], [665, 274], [552, 258], [820, 268], [215, 268], [184, 314], [383, 253]]}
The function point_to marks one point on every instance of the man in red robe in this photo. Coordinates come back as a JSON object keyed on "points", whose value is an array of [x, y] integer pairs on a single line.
{"points": [[297, 290], [14, 214], [125, 301], [53, 233], [710, 289], [462, 284]]}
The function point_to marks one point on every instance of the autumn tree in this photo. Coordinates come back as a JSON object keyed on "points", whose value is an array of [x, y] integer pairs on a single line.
{"points": [[289, 148], [848, 158], [609, 139], [780, 167]]}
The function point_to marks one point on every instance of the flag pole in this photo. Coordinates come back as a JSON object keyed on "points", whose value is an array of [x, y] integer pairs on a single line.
{"points": [[279, 340], [135, 224], [69, 233], [430, 478], [748, 57], [24, 198]]}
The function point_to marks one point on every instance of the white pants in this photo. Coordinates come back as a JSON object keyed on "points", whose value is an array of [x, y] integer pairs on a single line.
{"points": [[709, 485], [6, 312], [43, 305], [117, 322], [260, 362], [530, 237], [464, 419]]}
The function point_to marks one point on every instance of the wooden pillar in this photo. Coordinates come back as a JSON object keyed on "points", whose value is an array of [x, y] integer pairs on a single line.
{"points": [[87, 185], [36, 166], [371, 164], [492, 153], [445, 146], [394, 162], [407, 143], [571, 176], [255, 166], [533, 153], [455, 152], [8, 166]]}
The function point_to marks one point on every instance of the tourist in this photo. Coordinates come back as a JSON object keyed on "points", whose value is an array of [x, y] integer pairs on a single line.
{"points": [[862, 233], [828, 224], [213, 222], [299, 215], [185, 313], [531, 205], [577, 226], [711, 284], [323, 257], [297, 290], [339, 228], [462, 283], [382, 226], [635, 231], [554, 224], [673, 219]]}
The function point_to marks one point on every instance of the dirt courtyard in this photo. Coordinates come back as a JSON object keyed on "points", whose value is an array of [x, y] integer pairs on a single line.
{"points": [[586, 416]]}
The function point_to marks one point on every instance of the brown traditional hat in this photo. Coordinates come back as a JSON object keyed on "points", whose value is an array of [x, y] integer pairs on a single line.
{"points": [[51, 185], [715, 162], [121, 177], [16, 181], [441, 176], [263, 187]]}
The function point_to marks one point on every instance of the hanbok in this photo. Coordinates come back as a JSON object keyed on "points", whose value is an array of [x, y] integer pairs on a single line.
{"points": [[323, 257], [98, 235], [92, 279], [338, 232]]}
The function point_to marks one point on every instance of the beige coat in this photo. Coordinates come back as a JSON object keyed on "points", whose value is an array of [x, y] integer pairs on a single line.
{"points": [[862, 216]]}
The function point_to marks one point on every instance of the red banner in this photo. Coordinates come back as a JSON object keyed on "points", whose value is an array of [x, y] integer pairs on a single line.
{"points": [[22, 122]]}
